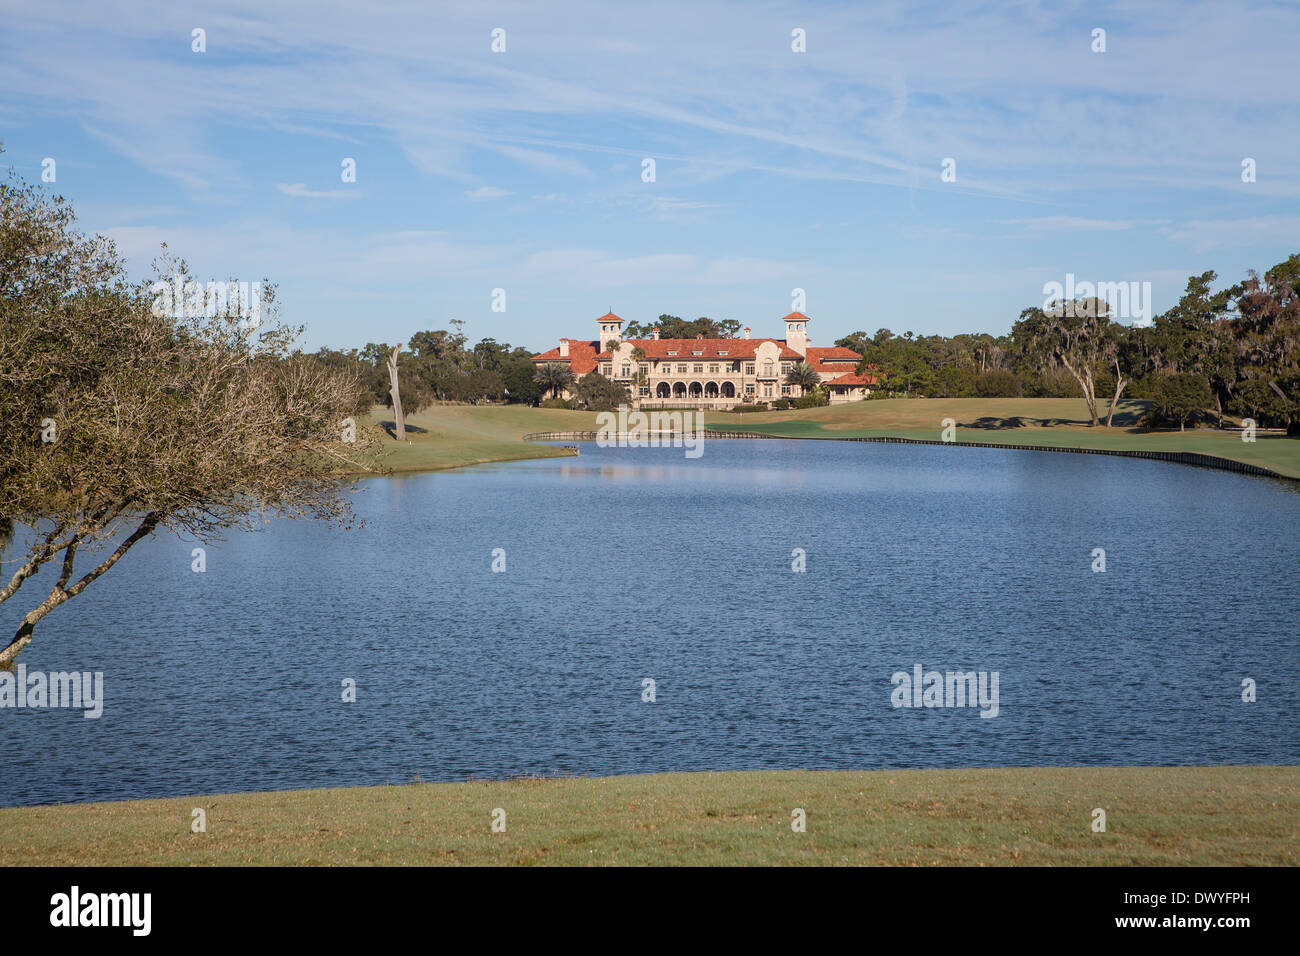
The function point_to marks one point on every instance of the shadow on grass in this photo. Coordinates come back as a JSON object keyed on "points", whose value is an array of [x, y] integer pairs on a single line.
{"points": [[1127, 415], [391, 428]]}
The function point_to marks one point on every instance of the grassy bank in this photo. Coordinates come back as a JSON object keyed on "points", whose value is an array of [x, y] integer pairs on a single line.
{"points": [[450, 436], [1039, 816]]}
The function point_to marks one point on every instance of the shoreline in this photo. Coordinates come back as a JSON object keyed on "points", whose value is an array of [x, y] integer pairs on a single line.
{"points": [[1186, 815], [1192, 459], [446, 437]]}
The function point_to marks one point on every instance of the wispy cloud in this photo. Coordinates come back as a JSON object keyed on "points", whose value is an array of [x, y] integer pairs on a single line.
{"points": [[1123, 163], [301, 191], [1206, 234], [1071, 224], [487, 192]]}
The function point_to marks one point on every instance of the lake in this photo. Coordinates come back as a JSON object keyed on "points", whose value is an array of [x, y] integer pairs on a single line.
{"points": [[624, 565]]}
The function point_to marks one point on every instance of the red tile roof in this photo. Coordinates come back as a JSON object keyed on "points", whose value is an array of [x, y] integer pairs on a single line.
{"points": [[835, 352], [835, 364], [832, 362], [685, 349], [851, 381], [796, 317], [712, 348], [582, 356]]}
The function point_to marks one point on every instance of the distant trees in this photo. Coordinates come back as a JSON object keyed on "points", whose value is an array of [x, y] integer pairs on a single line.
{"points": [[672, 327], [928, 365], [900, 363], [997, 383], [440, 366], [1244, 339]]}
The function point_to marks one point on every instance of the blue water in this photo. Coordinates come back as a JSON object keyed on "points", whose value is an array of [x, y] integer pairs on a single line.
{"points": [[625, 564]]}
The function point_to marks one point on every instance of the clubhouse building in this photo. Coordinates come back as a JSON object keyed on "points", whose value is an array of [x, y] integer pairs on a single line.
{"points": [[709, 373]]}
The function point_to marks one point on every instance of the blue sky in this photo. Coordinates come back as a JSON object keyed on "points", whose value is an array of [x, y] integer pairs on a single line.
{"points": [[775, 170]]}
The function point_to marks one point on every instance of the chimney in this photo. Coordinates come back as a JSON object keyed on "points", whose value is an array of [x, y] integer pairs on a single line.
{"points": [[655, 334], [564, 348], [747, 331]]}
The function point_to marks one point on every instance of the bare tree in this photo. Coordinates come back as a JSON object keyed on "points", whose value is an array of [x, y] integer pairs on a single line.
{"points": [[395, 392]]}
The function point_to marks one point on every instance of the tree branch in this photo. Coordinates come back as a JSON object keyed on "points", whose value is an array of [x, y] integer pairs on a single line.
{"points": [[61, 593]]}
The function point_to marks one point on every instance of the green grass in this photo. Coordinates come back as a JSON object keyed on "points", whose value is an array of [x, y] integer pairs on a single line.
{"points": [[1040, 816], [1061, 422], [449, 436]]}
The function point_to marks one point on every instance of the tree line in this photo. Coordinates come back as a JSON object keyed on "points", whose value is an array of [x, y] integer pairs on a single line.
{"points": [[1236, 350]]}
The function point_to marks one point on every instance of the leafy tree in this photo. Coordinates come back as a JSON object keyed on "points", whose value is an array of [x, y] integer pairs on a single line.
{"points": [[953, 381], [1181, 395], [1076, 335], [519, 376], [491, 355], [898, 362], [1193, 337], [476, 385], [117, 422], [1266, 340], [997, 383], [599, 394]]}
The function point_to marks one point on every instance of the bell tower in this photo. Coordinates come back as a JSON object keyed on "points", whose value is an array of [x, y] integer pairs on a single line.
{"points": [[611, 327], [796, 332]]}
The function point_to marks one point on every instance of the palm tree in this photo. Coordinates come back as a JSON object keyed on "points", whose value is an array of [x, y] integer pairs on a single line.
{"points": [[555, 377], [804, 376], [639, 377]]}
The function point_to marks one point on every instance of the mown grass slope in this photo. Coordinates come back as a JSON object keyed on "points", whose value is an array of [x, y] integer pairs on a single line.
{"points": [[1037, 816]]}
